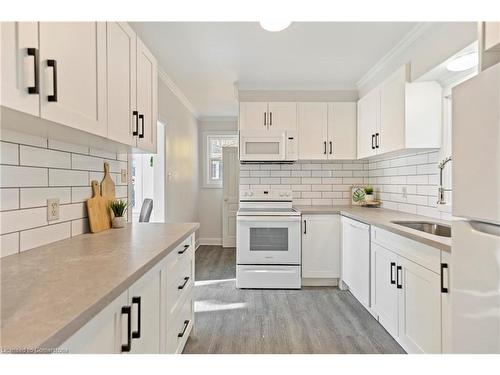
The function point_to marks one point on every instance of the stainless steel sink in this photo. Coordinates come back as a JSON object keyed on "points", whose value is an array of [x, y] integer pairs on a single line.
{"points": [[427, 227]]}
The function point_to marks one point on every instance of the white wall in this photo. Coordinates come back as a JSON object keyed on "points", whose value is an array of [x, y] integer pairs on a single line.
{"points": [[210, 209], [181, 148]]}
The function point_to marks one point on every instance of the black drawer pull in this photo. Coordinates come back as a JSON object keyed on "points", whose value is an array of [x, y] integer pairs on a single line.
{"points": [[305, 227], [186, 324], [399, 285], [373, 139], [186, 279], [53, 64], [127, 310], [443, 267], [34, 89], [393, 281], [137, 334], [324, 147], [331, 147], [183, 250], [265, 118], [141, 117], [377, 135], [136, 130]]}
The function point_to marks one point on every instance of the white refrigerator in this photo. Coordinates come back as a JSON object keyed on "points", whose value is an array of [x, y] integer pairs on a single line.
{"points": [[475, 257]]}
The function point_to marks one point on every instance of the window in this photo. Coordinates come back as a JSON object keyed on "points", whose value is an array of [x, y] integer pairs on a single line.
{"points": [[213, 146]]}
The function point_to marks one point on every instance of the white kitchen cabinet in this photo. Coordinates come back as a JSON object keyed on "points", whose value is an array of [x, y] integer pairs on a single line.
{"points": [[384, 293], [105, 333], [327, 131], [147, 98], [320, 246], [144, 299], [398, 115], [356, 259], [268, 116], [19, 67], [313, 131], [342, 130], [73, 74], [122, 82], [446, 312], [492, 36]]}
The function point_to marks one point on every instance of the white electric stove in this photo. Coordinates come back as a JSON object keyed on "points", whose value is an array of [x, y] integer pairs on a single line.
{"points": [[268, 242]]}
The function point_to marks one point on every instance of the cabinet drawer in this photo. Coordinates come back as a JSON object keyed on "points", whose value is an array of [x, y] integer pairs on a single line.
{"points": [[183, 251], [179, 327], [180, 282], [417, 252]]}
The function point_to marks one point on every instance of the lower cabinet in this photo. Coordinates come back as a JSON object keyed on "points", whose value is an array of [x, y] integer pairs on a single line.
{"points": [[406, 295], [155, 314], [321, 248]]}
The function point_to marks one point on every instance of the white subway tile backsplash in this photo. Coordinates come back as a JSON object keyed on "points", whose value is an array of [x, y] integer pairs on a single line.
{"points": [[321, 187], [260, 173], [9, 153], [79, 226], [36, 197], [80, 194], [270, 167], [321, 174], [102, 153], [10, 244], [44, 235], [331, 166], [121, 191], [311, 167], [41, 157], [290, 180], [23, 139], [14, 176], [17, 220], [273, 180], [301, 173], [69, 147], [60, 177], [9, 199], [87, 163], [280, 173], [427, 169]]}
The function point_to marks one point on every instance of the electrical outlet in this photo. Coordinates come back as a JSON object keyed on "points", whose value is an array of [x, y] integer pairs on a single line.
{"points": [[53, 209], [124, 176], [404, 192]]}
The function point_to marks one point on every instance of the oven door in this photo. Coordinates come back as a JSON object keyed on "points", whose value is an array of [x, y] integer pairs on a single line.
{"points": [[262, 145], [268, 240]]}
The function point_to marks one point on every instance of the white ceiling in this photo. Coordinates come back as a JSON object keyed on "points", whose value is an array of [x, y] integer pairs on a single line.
{"points": [[206, 59]]}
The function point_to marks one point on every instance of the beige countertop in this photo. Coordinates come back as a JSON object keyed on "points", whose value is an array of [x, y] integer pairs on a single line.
{"points": [[49, 292], [383, 218]]}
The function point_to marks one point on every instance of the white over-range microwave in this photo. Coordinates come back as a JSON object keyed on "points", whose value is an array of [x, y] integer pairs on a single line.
{"points": [[268, 145]]}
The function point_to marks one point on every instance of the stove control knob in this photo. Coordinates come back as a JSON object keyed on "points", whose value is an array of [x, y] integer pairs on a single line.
{"points": [[287, 194], [250, 193]]}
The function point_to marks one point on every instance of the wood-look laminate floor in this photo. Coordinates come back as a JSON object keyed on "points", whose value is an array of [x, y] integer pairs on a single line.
{"points": [[311, 320]]}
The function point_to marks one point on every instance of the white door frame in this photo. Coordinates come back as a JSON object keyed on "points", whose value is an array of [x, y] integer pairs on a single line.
{"points": [[230, 194]]}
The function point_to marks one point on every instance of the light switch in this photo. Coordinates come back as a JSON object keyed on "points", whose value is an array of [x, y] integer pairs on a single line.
{"points": [[52, 209]]}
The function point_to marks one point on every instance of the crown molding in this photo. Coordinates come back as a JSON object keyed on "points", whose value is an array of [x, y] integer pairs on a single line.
{"points": [[176, 91], [415, 33]]}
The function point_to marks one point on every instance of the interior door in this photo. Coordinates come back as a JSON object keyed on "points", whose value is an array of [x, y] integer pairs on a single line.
{"points": [[313, 131], [73, 74], [147, 97], [230, 187], [20, 79], [144, 298], [384, 298], [342, 131], [283, 116], [419, 309], [368, 119], [121, 63], [254, 116], [321, 246]]}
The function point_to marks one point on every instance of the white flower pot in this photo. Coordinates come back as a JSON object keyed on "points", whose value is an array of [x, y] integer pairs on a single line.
{"points": [[369, 197], [119, 222]]}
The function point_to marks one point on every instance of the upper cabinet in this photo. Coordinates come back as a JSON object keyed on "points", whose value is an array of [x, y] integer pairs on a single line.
{"points": [[399, 115], [268, 116], [327, 131], [96, 77]]}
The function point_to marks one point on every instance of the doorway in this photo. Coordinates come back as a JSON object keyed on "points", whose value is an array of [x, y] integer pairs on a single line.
{"points": [[230, 201], [148, 180]]}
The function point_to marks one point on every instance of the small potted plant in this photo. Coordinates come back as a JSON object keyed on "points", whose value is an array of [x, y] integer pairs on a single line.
{"points": [[369, 194], [118, 207]]}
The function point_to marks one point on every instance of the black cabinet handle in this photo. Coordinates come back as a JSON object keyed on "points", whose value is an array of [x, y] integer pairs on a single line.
{"points": [[270, 118], [141, 117], [137, 334], [265, 118], [305, 227], [324, 147], [331, 147], [53, 97], [127, 310], [443, 267], [136, 130], [393, 281], [186, 279], [186, 324], [377, 135], [373, 138], [398, 285], [34, 89], [183, 250]]}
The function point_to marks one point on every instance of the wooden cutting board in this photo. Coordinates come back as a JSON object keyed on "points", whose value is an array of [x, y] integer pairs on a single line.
{"points": [[107, 184], [98, 210]]}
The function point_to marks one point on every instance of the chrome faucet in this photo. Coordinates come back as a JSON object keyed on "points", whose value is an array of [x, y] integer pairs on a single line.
{"points": [[441, 190]]}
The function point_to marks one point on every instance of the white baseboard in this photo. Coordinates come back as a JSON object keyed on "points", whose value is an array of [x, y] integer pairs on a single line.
{"points": [[211, 241], [320, 282]]}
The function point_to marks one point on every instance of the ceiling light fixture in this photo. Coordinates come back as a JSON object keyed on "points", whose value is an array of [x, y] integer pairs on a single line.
{"points": [[463, 62], [274, 25]]}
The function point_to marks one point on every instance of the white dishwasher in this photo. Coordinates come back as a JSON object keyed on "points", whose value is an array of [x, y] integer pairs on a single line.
{"points": [[356, 259]]}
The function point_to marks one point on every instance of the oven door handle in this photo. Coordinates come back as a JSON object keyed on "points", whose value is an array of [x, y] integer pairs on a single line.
{"points": [[260, 219]]}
